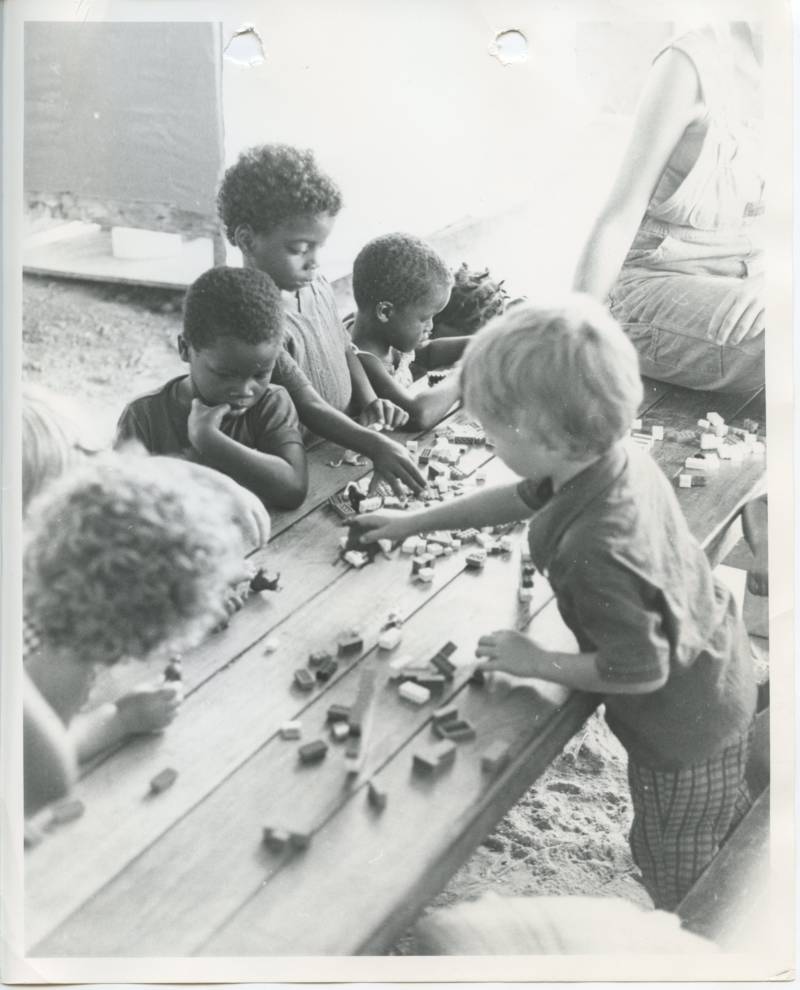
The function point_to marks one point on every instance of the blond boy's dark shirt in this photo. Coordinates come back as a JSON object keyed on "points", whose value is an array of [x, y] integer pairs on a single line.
{"points": [[634, 586]]}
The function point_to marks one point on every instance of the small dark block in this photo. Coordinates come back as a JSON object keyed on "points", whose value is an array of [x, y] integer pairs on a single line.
{"points": [[326, 670], [313, 752], [304, 680], [376, 796], [68, 812], [163, 780]]}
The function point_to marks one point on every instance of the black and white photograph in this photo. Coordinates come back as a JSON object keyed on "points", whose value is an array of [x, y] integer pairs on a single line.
{"points": [[398, 521]]}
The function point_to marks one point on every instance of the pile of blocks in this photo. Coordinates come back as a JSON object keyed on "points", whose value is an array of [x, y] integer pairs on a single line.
{"points": [[418, 680], [323, 663], [719, 442], [643, 439]]}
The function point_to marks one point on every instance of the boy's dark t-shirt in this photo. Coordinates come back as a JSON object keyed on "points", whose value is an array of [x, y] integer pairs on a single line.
{"points": [[159, 421], [633, 585]]}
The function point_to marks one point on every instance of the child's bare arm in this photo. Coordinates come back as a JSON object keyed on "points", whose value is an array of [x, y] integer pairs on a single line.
{"points": [[492, 506], [49, 757], [391, 460], [667, 106], [141, 711], [424, 409], [441, 353], [373, 406], [277, 479], [513, 653], [754, 525]]}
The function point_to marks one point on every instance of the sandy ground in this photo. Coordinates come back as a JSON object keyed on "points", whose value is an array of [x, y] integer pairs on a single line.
{"points": [[103, 345]]}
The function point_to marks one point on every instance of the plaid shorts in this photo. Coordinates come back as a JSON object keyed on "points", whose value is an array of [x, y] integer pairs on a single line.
{"points": [[681, 819]]}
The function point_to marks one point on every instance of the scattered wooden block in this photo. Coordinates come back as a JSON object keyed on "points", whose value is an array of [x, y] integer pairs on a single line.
{"points": [[338, 713], [174, 670], [290, 730], [432, 760], [496, 757], [326, 670], [714, 419], [441, 661], [657, 432], [415, 693], [163, 781], [376, 796], [274, 839], [426, 575], [313, 752], [67, 811], [390, 638], [299, 840], [340, 731], [709, 441], [350, 641], [318, 658], [356, 558], [476, 560], [304, 680], [447, 714], [457, 730]]}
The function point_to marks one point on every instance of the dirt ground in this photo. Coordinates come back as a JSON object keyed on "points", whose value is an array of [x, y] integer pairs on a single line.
{"points": [[103, 345]]}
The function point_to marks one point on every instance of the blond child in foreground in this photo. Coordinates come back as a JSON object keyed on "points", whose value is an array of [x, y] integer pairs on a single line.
{"points": [[84, 572], [556, 390]]}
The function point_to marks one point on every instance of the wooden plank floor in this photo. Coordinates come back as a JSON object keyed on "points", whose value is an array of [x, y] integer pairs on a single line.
{"points": [[185, 872]]}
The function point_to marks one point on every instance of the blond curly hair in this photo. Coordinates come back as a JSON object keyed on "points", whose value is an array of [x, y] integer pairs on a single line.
{"points": [[130, 556]]}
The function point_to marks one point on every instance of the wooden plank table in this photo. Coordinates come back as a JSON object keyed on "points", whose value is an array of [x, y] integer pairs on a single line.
{"points": [[185, 872]]}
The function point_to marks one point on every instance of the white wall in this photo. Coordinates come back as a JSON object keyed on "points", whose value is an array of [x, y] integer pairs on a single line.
{"points": [[420, 125]]}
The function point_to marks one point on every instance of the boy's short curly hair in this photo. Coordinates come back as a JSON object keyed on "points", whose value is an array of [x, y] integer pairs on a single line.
{"points": [[565, 374], [271, 183], [397, 268], [243, 303], [127, 557]]}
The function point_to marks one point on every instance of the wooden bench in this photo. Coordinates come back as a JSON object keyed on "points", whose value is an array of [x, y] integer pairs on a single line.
{"points": [[730, 903]]}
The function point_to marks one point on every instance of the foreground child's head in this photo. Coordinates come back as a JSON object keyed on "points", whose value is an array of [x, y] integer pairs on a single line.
{"points": [[54, 439], [400, 283], [232, 336], [125, 557], [278, 208], [552, 385]]}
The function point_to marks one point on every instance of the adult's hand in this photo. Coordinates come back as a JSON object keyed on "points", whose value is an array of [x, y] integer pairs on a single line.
{"points": [[740, 315]]}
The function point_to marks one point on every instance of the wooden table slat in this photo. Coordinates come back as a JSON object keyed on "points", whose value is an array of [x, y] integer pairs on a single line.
{"points": [[167, 879], [258, 690]]}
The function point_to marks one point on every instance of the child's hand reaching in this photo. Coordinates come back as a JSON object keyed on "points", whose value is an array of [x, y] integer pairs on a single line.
{"points": [[383, 413], [394, 464], [204, 421], [388, 525], [149, 709], [508, 651]]}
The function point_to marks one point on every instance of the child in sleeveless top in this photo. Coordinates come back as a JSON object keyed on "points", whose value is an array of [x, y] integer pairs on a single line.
{"points": [[400, 283]]}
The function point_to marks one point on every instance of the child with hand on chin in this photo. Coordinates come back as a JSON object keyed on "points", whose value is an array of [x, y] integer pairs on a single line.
{"points": [[225, 413], [279, 208], [400, 284], [659, 636]]}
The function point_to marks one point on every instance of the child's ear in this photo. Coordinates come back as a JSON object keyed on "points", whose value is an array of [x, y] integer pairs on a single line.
{"points": [[384, 311], [243, 236], [183, 348]]}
